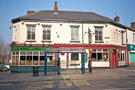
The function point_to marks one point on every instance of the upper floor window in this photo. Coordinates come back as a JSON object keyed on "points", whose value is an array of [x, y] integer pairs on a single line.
{"points": [[98, 34], [31, 32], [46, 33], [133, 37], [123, 37], [75, 33]]}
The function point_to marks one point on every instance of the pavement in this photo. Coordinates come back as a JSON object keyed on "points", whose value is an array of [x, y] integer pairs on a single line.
{"points": [[97, 74]]}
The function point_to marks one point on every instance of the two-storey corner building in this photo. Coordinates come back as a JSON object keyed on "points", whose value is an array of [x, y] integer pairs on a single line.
{"points": [[131, 44], [104, 39]]}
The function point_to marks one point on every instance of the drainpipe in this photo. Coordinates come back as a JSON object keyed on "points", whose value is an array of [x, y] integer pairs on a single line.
{"points": [[82, 34]]}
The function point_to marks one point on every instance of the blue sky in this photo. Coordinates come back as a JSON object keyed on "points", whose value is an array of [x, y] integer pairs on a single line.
{"points": [[10, 9]]}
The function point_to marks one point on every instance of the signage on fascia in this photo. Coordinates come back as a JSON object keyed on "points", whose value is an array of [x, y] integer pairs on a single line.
{"points": [[131, 47]]}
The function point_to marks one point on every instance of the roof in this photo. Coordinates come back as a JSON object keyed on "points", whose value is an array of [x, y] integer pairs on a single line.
{"points": [[63, 15], [48, 15]]}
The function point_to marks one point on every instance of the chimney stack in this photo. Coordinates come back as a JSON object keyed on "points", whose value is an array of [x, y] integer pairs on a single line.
{"points": [[133, 25], [117, 19], [30, 12], [55, 8]]}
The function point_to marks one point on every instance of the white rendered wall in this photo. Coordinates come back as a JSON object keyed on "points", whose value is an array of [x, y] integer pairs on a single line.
{"points": [[130, 36], [100, 64], [63, 30], [122, 63]]}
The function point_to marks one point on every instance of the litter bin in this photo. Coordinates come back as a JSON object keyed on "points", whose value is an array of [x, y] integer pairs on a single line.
{"points": [[35, 71]]}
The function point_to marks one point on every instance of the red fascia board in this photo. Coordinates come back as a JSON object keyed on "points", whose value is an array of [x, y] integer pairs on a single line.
{"points": [[12, 44], [74, 46]]}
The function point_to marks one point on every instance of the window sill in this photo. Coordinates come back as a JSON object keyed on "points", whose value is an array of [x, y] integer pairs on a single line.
{"points": [[99, 42], [74, 41], [30, 40], [46, 41]]}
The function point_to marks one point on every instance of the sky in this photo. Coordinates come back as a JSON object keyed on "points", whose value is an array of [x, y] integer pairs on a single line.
{"points": [[10, 9]]}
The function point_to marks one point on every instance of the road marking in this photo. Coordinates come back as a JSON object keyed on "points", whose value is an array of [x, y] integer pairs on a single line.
{"points": [[80, 82], [131, 82], [6, 84], [39, 85], [120, 89], [98, 85]]}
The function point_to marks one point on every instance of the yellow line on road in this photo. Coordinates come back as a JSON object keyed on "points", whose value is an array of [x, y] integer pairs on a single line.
{"points": [[131, 82], [6, 84]]}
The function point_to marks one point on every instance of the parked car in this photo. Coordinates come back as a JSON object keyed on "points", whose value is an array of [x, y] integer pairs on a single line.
{"points": [[7, 65]]}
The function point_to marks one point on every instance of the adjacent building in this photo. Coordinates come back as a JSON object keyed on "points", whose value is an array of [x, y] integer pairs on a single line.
{"points": [[131, 44], [104, 39]]}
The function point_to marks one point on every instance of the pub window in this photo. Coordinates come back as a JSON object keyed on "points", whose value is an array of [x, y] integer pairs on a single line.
{"points": [[29, 60], [22, 60], [17, 60], [93, 56], [74, 56], [41, 60], [35, 60], [100, 55], [13, 60]]}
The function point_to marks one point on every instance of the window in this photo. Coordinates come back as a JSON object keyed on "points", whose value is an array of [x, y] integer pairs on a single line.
{"points": [[42, 58], [123, 37], [74, 56], [121, 55], [31, 32], [100, 55], [46, 33], [133, 37], [98, 34], [15, 58], [35, 58], [75, 33]]}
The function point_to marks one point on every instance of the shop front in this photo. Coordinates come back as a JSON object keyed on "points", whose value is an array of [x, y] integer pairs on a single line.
{"points": [[25, 57], [131, 54]]}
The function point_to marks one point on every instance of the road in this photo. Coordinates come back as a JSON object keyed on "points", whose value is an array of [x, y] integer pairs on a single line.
{"points": [[122, 83]]}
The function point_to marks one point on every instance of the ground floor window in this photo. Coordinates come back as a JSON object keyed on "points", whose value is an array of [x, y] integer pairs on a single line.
{"points": [[121, 55], [74, 56], [100, 55], [22, 60], [31, 58], [15, 58]]}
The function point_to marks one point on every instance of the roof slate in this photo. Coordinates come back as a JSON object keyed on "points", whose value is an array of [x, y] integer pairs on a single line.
{"points": [[64, 15], [69, 16]]}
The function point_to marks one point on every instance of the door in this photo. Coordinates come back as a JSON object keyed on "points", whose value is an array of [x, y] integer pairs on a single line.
{"points": [[105, 56]]}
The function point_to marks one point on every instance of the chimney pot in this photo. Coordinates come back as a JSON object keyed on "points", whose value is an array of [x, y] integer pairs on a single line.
{"points": [[117, 19], [30, 12], [55, 8], [133, 25]]}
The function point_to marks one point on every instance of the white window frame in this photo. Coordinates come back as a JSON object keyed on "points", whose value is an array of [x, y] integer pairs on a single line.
{"points": [[99, 29], [31, 31], [46, 34], [74, 33]]}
